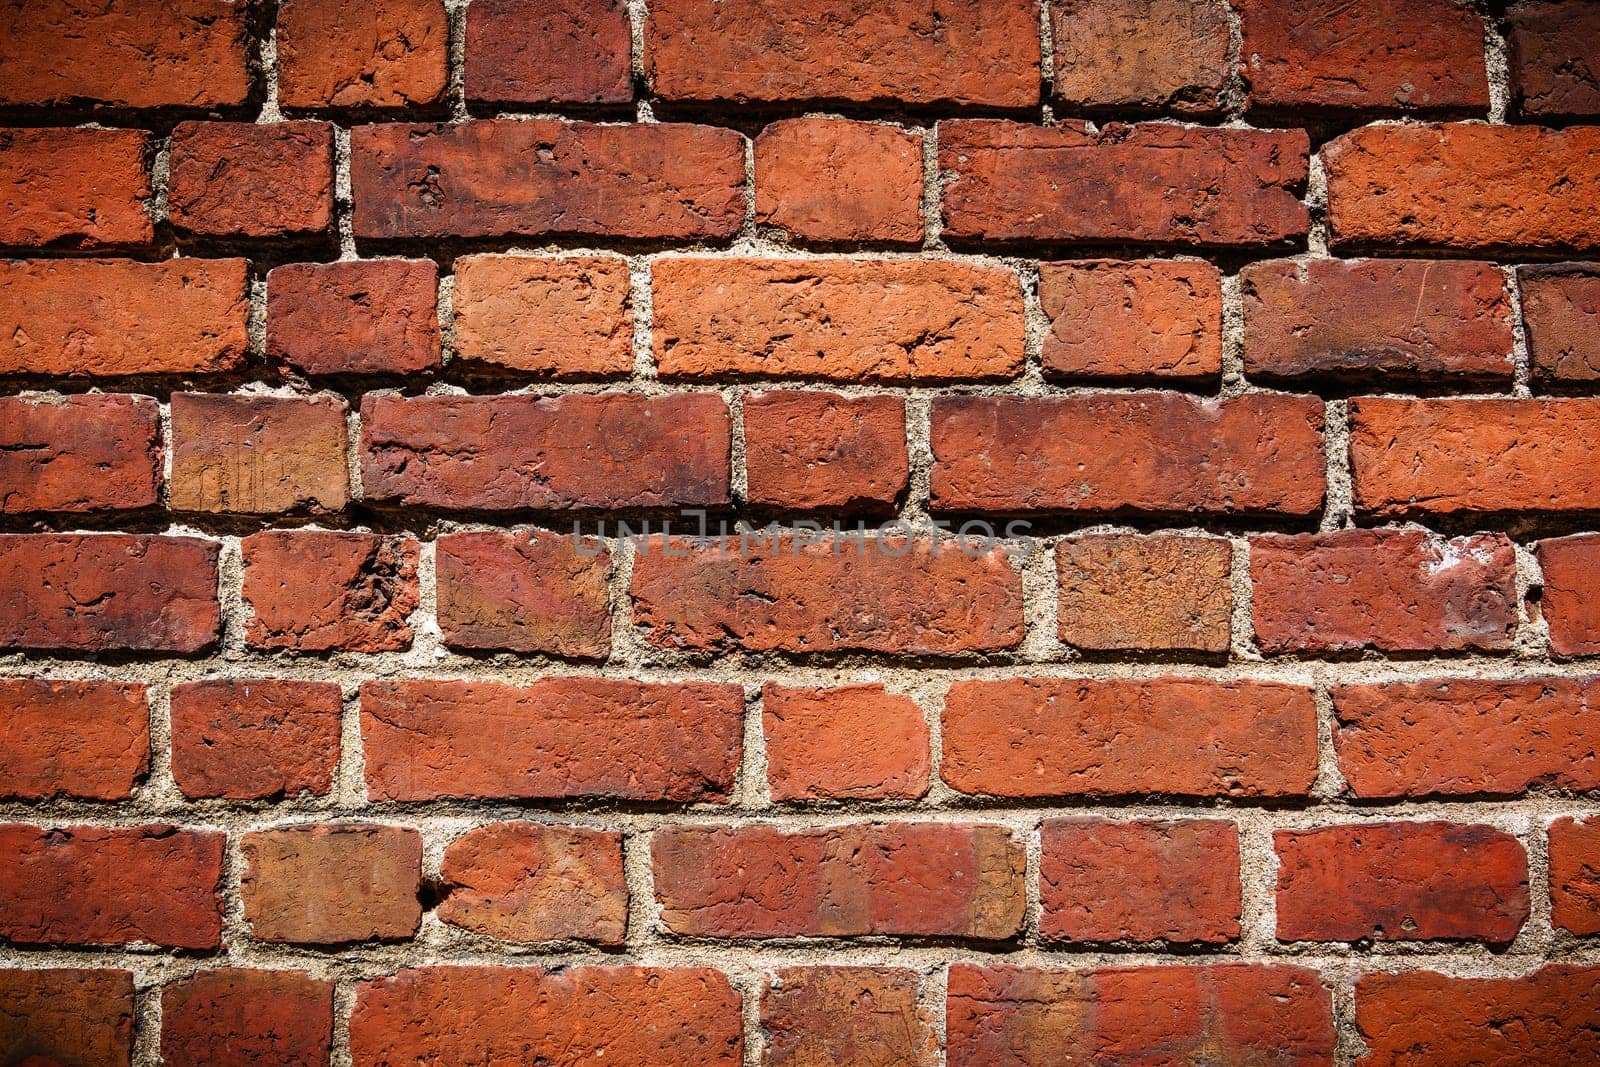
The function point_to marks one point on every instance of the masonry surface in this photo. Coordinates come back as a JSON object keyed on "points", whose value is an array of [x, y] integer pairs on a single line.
{"points": [[1222, 690]]}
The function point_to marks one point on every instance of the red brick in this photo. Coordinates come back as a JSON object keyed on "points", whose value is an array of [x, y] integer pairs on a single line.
{"points": [[1463, 736], [563, 316], [1045, 737], [1143, 184], [231, 1017], [788, 593], [350, 53], [334, 884], [245, 179], [1169, 55], [969, 52], [1102, 880], [840, 180], [1575, 875], [74, 188], [538, 592], [665, 1017], [88, 740], [79, 453], [1116, 319], [318, 591], [99, 592], [823, 450], [122, 53], [1365, 55], [557, 738], [854, 742], [1561, 314], [61, 1016], [254, 738], [1571, 567], [258, 455], [1152, 453], [1400, 881], [1229, 1014], [897, 879], [865, 1016], [103, 885], [1127, 591], [501, 453], [547, 178], [1429, 321], [548, 52], [1453, 457], [529, 882], [356, 317], [1464, 186], [1394, 590], [103, 318], [1417, 1017], [846, 319], [1554, 58]]}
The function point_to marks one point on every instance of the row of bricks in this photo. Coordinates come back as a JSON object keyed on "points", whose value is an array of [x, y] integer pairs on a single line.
{"points": [[1367, 56], [1434, 323], [993, 1015], [1430, 186], [575, 738]]}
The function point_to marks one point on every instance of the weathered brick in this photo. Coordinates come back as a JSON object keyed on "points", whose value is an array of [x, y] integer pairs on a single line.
{"points": [[79, 453], [1571, 567], [779, 592], [258, 455], [104, 885], [99, 592], [332, 884], [103, 318], [74, 188], [969, 52], [557, 738], [1154, 453], [665, 1017], [232, 1017], [87, 740], [864, 1016], [548, 52], [1464, 186], [1170, 55], [123, 53], [538, 592], [316, 591], [1561, 314], [822, 450], [500, 453], [1452, 457], [349, 53], [1143, 184], [840, 180], [355, 317], [1126, 591], [1575, 875], [1234, 1014], [1428, 321], [529, 882], [547, 178], [1553, 51], [850, 742], [247, 179], [254, 738], [1394, 590], [848, 319], [66, 1016], [564, 316], [1046, 737], [1400, 881], [1119, 319], [1464, 736], [900, 879]]}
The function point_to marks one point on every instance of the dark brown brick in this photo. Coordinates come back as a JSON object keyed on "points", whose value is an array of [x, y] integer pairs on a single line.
{"points": [[548, 52], [1561, 313], [1553, 51], [538, 592], [61, 1016], [232, 1017]]}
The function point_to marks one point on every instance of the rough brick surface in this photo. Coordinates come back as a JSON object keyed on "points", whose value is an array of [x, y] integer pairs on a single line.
{"points": [[529, 882], [548, 52], [822, 450], [317, 591], [521, 593], [1571, 566], [232, 1017], [77, 1015], [1140, 54], [850, 742], [1122, 591], [79, 453], [346, 53], [1561, 313], [1130, 320], [373, 317], [256, 738], [334, 884], [258, 455], [245, 179], [74, 188], [1553, 49], [1575, 875], [566, 316], [88, 740], [867, 1016], [837, 180]]}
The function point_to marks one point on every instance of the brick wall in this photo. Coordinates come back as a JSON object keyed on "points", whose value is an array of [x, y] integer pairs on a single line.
{"points": [[341, 722]]}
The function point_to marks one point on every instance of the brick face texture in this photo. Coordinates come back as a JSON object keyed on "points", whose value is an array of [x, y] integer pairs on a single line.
{"points": [[889, 533]]}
